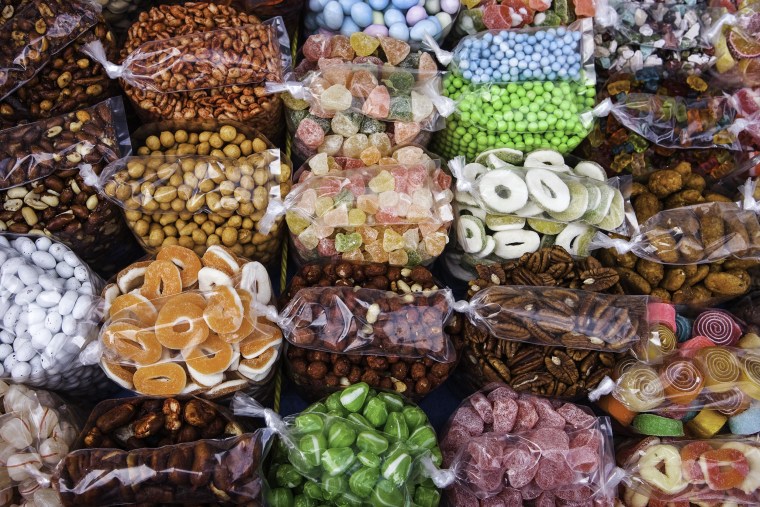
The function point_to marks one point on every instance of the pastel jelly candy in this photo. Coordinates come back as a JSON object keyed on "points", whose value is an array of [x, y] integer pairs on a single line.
{"points": [[362, 83], [331, 144], [347, 242], [368, 203], [398, 258], [382, 142], [336, 98], [383, 182], [377, 104], [363, 44], [395, 50], [392, 240], [370, 155], [356, 217], [354, 145], [345, 124], [405, 132], [376, 252]]}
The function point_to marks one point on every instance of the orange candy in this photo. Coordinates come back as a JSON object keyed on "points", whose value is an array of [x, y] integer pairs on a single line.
{"points": [[212, 356], [224, 310], [246, 327], [264, 336], [690, 461], [258, 367], [617, 410], [186, 261], [724, 468], [180, 325], [162, 379], [221, 258], [162, 278], [132, 342], [133, 306]]}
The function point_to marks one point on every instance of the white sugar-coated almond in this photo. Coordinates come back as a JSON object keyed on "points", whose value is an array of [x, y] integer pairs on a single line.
{"points": [[43, 243], [48, 298], [67, 302], [43, 259], [57, 250], [53, 321], [64, 270], [24, 466]]}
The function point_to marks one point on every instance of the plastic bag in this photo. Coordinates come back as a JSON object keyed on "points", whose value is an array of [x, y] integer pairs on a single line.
{"points": [[357, 446], [720, 471], [37, 430], [398, 214], [734, 36], [151, 450], [181, 324], [501, 446], [49, 308], [197, 61], [36, 32], [696, 389]]}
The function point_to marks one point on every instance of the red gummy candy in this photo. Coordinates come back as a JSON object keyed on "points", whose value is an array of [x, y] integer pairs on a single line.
{"points": [[690, 461], [310, 133], [553, 471], [527, 417], [540, 5], [329, 187], [590, 438], [585, 8], [504, 415], [547, 416], [443, 180], [341, 48], [548, 439], [416, 175], [583, 459], [502, 393], [497, 17], [576, 417], [466, 417], [353, 163], [482, 406], [462, 498], [326, 247], [356, 184], [545, 499], [531, 491], [386, 217], [576, 493], [521, 464], [405, 131], [317, 46], [520, 13], [724, 468], [455, 438]]}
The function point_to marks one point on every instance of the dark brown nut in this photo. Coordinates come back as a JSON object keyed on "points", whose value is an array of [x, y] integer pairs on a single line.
{"points": [[731, 283], [172, 411], [148, 425], [646, 206], [116, 417], [202, 467], [665, 182], [198, 413], [652, 272]]}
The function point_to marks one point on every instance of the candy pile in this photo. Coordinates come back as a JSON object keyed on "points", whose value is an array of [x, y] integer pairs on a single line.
{"points": [[482, 15], [737, 50]]}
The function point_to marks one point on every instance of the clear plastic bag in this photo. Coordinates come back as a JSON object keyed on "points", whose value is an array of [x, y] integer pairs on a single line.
{"points": [[345, 320], [358, 447], [182, 324], [719, 471], [37, 430], [203, 60], [398, 214], [501, 446], [36, 32], [151, 450], [734, 37], [49, 307]]}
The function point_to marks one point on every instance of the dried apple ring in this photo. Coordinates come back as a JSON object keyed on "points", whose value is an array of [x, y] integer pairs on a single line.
{"points": [[221, 258], [135, 306], [246, 327], [265, 336], [180, 325], [224, 310], [257, 368], [119, 373], [210, 278], [186, 261], [133, 343], [162, 379], [162, 278], [132, 277], [212, 356]]}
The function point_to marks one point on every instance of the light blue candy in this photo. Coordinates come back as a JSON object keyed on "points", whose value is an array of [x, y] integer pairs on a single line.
{"points": [[399, 31], [393, 16], [450, 6], [419, 30], [748, 422], [347, 4], [361, 13], [404, 4], [317, 5], [348, 27], [333, 14], [379, 5]]}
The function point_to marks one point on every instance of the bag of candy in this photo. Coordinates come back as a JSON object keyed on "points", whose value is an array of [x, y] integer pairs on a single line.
{"points": [[718, 471], [398, 214], [734, 36], [162, 450], [504, 447], [49, 307], [356, 447], [37, 430], [184, 324]]}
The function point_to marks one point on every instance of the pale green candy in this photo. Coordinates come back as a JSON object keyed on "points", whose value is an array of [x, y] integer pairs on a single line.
{"points": [[414, 417], [287, 476], [616, 214], [372, 441], [576, 239], [386, 494], [423, 437], [309, 423], [394, 402], [471, 233], [359, 421], [506, 154], [313, 490], [396, 467], [318, 408], [436, 456], [545, 226], [504, 222], [334, 405], [600, 201], [352, 397], [376, 412], [396, 427], [298, 459], [340, 434], [578, 203], [312, 446], [347, 499], [337, 460], [369, 459], [348, 242], [363, 481], [304, 501], [426, 497], [334, 485], [280, 497]]}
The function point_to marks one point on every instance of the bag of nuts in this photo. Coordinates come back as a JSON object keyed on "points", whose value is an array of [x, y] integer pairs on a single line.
{"points": [[246, 103], [185, 324], [323, 356], [37, 430], [42, 189], [162, 451]]}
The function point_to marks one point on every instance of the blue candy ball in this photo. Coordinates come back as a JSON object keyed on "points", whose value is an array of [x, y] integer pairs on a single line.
{"points": [[393, 16], [419, 30], [317, 5], [404, 4], [349, 26], [379, 5], [346, 5], [399, 31], [333, 14], [361, 13]]}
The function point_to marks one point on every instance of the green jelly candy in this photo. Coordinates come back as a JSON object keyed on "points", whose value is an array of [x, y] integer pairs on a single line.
{"points": [[413, 258], [401, 109], [376, 412], [426, 497], [309, 423], [334, 486], [363, 481], [359, 421], [304, 501], [348, 243], [333, 404], [287, 476], [386, 494], [348, 500], [312, 446], [299, 460], [414, 417], [322, 122], [399, 83], [372, 441], [371, 126], [345, 196], [280, 497], [340, 434], [423, 437], [313, 490], [437, 457], [397, 466], [394, 402], [353, 397], [369, 459], [396, 426], [318, 407], [337, 460]]}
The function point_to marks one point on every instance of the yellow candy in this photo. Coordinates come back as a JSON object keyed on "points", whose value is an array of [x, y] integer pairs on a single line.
{"points": [[296, 223], [363, 44], [392, 241], [707, 423], [398, 258], [383, 182], [323, 205], [356, 217]]}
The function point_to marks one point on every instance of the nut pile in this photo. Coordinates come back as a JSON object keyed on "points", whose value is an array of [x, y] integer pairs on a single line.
{"points": [[197, 202], [668, 189], [318, 372], [550, 371], [247, 103]]}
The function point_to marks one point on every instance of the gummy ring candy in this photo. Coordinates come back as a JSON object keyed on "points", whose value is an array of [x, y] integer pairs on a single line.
{"points": [[255, 279], [724, 468], [180, 325], [162, 379], [132, 277], [118, 373], [752, 481], [682, 381], [162, 278], [670, 481], [224, 311], [110, 292], [189, 298], [212, 356], [258, 368], [186, 261], [719, 326], [132, 342], [503, 191], [246, 326], [221, 258], [264, 336], [690, 454], [133, 305], [639, 389], [208, 278], [548, 190], [720, 366]]}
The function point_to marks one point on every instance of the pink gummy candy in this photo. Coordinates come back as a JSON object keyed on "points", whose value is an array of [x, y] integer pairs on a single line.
{"points": [[545, 499], [417, 176], [531, 491], [368, 59], [316, 47], [575, 493], [501, 393], [504, 415], [576, 417], [511, 497], [326, 247], [455, 438], [462, 498], [405, 132], [553, 471], [497, 17], [356, 184], [443, 180], [329, 187], [386, 217], [547, 416], [539, 5], [482, 406], [310, 133], [591, 438], [527, 417], [548, 439], [377, 104], [521, 464], [583, 459], [469, 420]]}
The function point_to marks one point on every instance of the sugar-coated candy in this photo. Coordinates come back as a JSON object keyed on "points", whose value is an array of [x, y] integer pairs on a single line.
{"points": [[336, 98], [377, 104]]}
